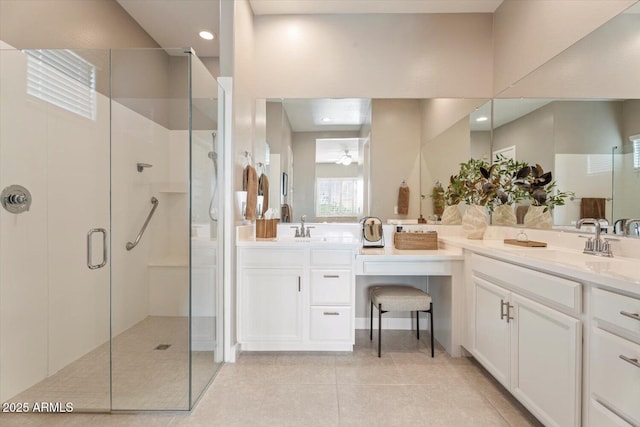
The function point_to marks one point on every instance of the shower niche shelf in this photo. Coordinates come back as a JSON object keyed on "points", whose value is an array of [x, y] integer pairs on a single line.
{"points": [[171, 187]]}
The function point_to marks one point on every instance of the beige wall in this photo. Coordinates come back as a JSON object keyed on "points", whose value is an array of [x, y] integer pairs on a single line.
{"points": [[527, 34], [567, 127], [602, 65], [532, 135], [395, 155], [442, 156], [71, 24], [481, 144], [373, 56]]}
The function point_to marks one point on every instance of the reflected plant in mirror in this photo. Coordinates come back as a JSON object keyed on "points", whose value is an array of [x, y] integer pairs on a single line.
{"points": [[507, 192], [542, 192]]}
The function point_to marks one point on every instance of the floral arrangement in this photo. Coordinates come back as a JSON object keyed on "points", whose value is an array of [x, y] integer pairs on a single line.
{"points": [[540, 187]]}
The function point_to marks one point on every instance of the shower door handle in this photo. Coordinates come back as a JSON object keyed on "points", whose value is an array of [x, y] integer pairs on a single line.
{"points": [[104, 248]]}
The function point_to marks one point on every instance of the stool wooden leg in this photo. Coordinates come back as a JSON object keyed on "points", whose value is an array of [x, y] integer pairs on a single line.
{"points": [[379, 329], [432, 332], [418, 324], [371, 323]]}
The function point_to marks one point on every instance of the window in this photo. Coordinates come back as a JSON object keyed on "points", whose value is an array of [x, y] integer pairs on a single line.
{"points": [[62, 78], [337, 197], [636, 153]]}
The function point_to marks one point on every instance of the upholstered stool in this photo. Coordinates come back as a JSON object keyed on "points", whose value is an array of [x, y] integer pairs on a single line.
{"points": [[399, 298]]}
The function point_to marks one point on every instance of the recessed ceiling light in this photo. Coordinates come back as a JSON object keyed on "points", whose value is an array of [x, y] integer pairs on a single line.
{"points": [[482, 119], [206, 35], [326, 119]]}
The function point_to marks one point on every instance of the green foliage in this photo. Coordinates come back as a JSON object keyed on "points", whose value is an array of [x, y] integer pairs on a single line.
{"points": [[540, 187], [437, 195], [505, 182]]}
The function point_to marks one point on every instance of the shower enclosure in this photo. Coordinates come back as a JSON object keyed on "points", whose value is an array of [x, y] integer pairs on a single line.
{"points": [[110, 282]]}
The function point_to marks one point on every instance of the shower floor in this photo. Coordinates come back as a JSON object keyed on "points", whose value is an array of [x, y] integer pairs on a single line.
{"points": [[143, 378]]}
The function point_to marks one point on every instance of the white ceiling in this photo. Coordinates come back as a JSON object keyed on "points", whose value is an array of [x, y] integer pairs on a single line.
{"points": [[504, 111], [287, 7], [330, 150], [176, 23], [323, 114]]}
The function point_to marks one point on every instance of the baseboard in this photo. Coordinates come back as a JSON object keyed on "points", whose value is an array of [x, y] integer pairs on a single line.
{"points": [[233, 352], [404, 323]]}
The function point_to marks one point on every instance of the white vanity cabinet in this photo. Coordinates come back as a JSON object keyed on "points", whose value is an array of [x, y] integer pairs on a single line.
{"points": [[332, 296], [293, 299], [614, 364], [526, 335]]}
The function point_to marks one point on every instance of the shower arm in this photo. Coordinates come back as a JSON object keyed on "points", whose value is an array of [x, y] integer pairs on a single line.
{"points": [[131, 245]]}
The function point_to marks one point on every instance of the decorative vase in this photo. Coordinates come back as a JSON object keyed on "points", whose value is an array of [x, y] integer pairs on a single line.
{"points": [[475, 221], [504, 215], [536, 217], [451, 216]]}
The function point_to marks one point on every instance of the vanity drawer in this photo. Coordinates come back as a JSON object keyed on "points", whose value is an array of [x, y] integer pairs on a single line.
{"points": [[559, 291], [330, 287], [252, 257], [329, 323], [609, 307], [599, 416], [615, 381], [335, 258]]}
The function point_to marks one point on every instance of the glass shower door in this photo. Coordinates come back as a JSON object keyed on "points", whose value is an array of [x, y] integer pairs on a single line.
{"points": [[54, 266]]}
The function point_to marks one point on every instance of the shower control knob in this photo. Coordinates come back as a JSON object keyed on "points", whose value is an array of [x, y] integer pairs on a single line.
{"points": [[15, 199]]}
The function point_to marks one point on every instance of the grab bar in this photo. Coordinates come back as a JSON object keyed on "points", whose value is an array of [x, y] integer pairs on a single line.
{"points": [[131, 245]]}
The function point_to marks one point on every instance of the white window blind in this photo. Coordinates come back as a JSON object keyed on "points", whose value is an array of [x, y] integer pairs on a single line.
{"points": [[62, 78], [337, 197], [636, 153]]}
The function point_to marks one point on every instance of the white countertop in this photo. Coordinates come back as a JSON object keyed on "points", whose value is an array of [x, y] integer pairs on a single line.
{"points": [[621, 273]]}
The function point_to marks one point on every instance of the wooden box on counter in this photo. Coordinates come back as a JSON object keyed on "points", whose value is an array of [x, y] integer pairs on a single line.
{"points": [[266, 228], [416, 240]]}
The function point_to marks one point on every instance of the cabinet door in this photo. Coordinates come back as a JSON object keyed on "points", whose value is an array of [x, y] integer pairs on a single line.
{"points": [[271, 305], [491, 332], [545, 371]]}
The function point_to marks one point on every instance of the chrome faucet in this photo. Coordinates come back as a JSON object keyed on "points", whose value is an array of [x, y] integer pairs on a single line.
{"points": [[303, 231], [302, 220], [629, 228], [595, 246]]}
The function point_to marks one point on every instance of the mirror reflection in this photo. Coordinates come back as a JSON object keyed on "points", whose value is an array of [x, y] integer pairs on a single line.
{"points": [[584, 128], [318, 157], [573, 140]]}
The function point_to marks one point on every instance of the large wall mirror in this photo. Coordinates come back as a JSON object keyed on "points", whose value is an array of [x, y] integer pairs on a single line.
{"points": [[347, 158], [579, 117], [318, 156]]}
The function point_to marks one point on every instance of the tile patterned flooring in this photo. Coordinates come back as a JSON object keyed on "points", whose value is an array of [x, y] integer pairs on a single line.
{"points": [[404, 387]]}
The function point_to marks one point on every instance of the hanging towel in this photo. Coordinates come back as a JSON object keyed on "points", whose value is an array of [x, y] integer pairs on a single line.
{"points": [[403, 200], [285, 213], [250, 185], [592, 207], [521, 211], [263, 190]]}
